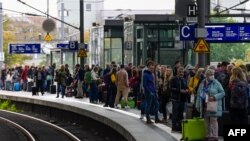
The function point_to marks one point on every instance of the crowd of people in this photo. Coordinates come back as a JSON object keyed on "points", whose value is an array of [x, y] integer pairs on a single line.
{"points": [[152, 87]]}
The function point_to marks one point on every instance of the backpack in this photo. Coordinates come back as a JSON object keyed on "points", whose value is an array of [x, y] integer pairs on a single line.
{"points": [[239, 95], [113, 78], [87, 77]]}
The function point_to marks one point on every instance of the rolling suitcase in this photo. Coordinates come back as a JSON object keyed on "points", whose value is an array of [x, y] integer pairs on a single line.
{"points": [[17, 86], [53, 89], [34, 90], [29, 87], [193, 129]]}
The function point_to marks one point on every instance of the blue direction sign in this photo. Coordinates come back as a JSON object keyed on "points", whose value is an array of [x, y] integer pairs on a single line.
{"points": [[24, 48], [62, 46], [72, 45], [219, 33]]}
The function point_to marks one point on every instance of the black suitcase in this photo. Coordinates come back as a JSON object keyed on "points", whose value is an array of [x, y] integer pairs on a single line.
{"points": [[29, 87], [224, 120], [53, 89], [34, 90]]}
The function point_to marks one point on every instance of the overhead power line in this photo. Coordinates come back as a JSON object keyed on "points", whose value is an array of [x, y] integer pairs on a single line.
{"points": [[233, 6], [47, 14], [29, 14]]}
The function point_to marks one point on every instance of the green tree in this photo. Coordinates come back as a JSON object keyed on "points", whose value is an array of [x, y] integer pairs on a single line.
{"points": [[8, 37], [227, 51]]}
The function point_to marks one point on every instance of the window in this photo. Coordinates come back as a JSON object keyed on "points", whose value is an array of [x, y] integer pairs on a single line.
{"points": [[167, 44], [88, 7], [139, 33], [152, 33], [164, 33]]}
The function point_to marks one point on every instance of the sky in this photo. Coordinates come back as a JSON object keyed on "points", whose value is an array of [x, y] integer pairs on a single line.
{"points": [[108, 4]]}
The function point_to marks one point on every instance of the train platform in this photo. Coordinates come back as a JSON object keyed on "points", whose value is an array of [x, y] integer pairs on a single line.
{"points": [[130, 117]]}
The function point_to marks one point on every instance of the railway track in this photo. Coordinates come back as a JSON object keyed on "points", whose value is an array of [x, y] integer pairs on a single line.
{"points": [[19, 127]]}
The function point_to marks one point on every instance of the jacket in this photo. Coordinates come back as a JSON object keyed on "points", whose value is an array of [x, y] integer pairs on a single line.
{"points": [[176, 84], [216, 90], [149, 82]]}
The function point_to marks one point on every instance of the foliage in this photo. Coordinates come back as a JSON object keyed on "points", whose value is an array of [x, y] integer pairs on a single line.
{"points": [[8, 37], [228, 51], [7, 105], [86, 36]]}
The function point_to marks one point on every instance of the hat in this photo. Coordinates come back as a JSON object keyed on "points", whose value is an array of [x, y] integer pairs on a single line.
{"points": [[224, 63], [189, 67], [209, 72]]}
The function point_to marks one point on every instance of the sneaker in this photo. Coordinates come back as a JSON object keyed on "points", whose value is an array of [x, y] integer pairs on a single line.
{"points": [[158, 121], [105, 105], [164, 120], [149, 122], [142, 116], [126, 107], [119, 106]]}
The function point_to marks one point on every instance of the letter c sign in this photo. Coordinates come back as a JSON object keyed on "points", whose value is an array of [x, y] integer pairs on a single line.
{"points": [[183, 33], [187, 32]]}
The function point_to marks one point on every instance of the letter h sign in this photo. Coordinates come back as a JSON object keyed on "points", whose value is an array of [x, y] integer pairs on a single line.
{"points": [[192, 10]]}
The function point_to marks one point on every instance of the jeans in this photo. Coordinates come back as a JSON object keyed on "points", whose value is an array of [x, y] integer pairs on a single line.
{"points": [[93, 92], [9, 86], [61, 88], [151, 99], [111, 94]]}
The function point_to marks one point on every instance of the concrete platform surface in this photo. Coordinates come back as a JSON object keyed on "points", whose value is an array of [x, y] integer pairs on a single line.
{"points": [[126, 122]]}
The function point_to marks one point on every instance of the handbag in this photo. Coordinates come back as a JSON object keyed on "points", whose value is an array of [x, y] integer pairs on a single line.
{"points": [[212, 106]]}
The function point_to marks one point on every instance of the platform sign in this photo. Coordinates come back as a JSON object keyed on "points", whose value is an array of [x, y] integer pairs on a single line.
{"points": [[201, 46], [24, 48], [219, 33], [72, 45], [62, 46]]}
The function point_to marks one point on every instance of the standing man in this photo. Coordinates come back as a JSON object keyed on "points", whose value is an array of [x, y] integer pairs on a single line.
{"points": [[179, 89], [122, 84], [150, 92]]}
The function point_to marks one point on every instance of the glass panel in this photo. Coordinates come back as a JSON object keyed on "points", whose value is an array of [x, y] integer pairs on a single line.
{"points": [[139, 53], [106, 56], [116, 43], [167, 44], [117, 55], [152, 51], [69, 60], [116, 50], [139, 33], [165, 33], [152, 33], [56, 58], [106, 43]]}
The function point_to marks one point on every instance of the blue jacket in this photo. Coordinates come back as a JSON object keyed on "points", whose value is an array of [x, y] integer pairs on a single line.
{"points": [[149, 82], [214, 89]]}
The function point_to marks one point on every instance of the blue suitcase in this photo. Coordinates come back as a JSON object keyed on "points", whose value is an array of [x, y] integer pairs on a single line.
{"points": [[17, 86]]}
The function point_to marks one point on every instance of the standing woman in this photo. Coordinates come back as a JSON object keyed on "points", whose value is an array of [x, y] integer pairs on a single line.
{"points": [[166, 92], [210, 90], [238, 105], [61, 81]]}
